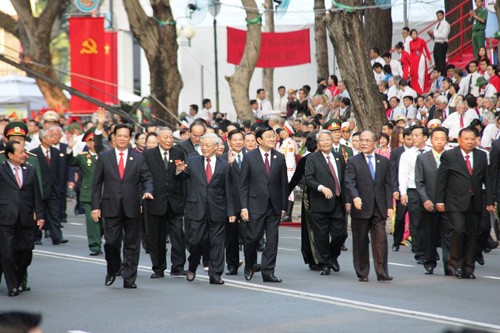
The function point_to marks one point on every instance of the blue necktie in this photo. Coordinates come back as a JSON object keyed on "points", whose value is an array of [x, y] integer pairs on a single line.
{"points": [[239, 161], [370, 165]]}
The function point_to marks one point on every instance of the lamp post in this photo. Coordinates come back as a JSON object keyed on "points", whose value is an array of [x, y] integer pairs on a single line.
{"points": [[187, 32], [214, 8]]}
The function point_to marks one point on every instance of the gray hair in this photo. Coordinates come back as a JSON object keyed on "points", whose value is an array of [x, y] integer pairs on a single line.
{"points": [[274, 118], [461, 103], [56, 128], [163, 129], [324, 132], [43, 133], [489, 117], [442, 99], [212, 136]]}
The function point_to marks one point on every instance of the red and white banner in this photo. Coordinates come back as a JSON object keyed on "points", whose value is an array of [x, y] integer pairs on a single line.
{"points": [[278, 49], [93, 63]]}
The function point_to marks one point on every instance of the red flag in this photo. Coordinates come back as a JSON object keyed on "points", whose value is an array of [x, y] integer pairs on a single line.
{"points": [[278, 49], [93, 63]]}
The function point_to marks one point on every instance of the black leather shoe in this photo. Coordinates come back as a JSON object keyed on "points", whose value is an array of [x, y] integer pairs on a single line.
{"points": [[157, 275], [63, 241], [23, 287], [14, 292], [129, 286], [448, 272], [335, 265], [232, 271], [248, 274], [480, 259], [420, 261], [438, 257], [457, 272], [95, 253], [38, 242], [363, 279], [110, 279], [343, 248], [190, 276], [395, 248], [384, 278], [271, 278], [470, 276], [216, 280], [120, 271], [179, 273], [429, 270], [314, 267], [257, 268], [325, 271]]}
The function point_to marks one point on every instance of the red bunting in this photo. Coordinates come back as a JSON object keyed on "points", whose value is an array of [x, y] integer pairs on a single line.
{"points": [[278, 49], [94, 55]]}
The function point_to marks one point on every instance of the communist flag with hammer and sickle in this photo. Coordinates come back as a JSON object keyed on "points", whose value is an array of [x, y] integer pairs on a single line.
{"points": [[93, 62]]}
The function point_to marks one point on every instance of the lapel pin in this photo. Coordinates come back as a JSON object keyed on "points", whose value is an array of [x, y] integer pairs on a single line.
{"points": [[170, 161], [61, 154], [274, 156], [337, 158], [24, 167], [378, 161], [131, 158]]}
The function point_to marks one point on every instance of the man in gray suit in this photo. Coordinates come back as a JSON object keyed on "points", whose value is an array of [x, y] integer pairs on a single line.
{"points": [[426, 169]]}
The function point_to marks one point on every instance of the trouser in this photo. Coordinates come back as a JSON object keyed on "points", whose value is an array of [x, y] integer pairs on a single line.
{"points": [[255, 228], [201, 233], [478, 40], [463, 238], [158, 228], [233, 244], [430, 235], [51, 208], [440, 50], [483, 233], [206, 250], [117, 229], [94, 229], [415, 212], [399, 223], [360, 248]]}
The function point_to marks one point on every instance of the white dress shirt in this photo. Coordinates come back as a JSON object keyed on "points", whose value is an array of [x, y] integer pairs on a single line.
{"points": [[452, 122], [280, 104], [491, 131], [334, 163], [125, 154], [373, 161], [213, 158], [262, 153], [406, 175], [19, 171], [471, 158], [380, 60], [489, 91], [441, 32]]}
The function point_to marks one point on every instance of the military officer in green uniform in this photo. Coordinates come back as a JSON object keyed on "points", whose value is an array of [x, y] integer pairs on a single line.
{"points": [[478, 16], [334, 126], [86, 161]]}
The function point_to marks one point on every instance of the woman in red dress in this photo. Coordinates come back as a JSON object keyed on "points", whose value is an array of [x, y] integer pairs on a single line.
{"points": [[418, 52], [405, 60]]}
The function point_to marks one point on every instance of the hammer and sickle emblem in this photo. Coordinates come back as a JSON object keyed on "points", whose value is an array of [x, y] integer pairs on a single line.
{"points": [[89, 46]]}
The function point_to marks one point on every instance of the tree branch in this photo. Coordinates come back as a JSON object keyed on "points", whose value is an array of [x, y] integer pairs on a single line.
{"points": [[9, 24], [140, 24], [23, 10]]}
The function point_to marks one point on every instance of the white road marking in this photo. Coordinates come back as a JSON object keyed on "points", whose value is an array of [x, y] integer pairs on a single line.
{"points": [[286, 249], [74, 223], [287, 237], [76, 236], [365, 306], [492, 277]]}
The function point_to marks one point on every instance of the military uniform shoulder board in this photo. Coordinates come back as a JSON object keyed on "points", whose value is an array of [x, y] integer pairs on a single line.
{"points": [[30, 153], [83, 153], [2, 152]]}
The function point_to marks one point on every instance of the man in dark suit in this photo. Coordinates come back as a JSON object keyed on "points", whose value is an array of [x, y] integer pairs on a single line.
{"points": [[263, 197], [461, 176], [196, 131], [368, 182], [166, 210], [121, 179], [235, 157], [401, 210], [495, 170], [20, 199], [209, 205], [324, 176], [426, 169], [49, 160], [56, 132]]}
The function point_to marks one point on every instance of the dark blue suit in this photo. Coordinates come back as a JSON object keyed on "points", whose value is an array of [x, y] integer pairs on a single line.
{"points": [[265, 197]]}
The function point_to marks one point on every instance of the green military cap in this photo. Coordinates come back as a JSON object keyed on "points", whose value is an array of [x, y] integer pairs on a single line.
{"points": [[332, 125], [15, 128], [89, 134]]}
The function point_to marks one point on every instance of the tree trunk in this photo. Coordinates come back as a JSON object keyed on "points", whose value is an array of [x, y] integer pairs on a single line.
{"points": [[322, 69], [347, 34], [240, 80], [497, 11], [268, 73], [378, 27], [35, 35], [158, 38], [454, 44]]}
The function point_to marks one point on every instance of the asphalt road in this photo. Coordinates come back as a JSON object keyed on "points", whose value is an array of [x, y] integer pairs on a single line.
{"points": [[67, 287]]}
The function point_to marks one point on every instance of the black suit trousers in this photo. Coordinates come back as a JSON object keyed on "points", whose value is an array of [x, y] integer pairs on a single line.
{"points": [[360, 248], [463, 237], [330, 232], [233, 244], [415, 212], [254, 230], [52, 209], [8, 255], [399, 223], [440, 50], [118, 229], [205, 232], [158, 227], [430, 235]]}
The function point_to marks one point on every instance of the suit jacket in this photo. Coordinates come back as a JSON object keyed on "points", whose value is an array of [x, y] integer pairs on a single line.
{"points": [[216, 196], [18, 202], [109, 191], [168, 189], [257, 188], [51, 174], [187, 147], [426, 170], [494, 170], [318, 173], [359, 183], [394, 165], [235, 181], [454, 184]]}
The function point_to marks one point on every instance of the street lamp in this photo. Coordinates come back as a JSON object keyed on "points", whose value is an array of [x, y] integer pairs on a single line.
{"points": [[187, 32]]}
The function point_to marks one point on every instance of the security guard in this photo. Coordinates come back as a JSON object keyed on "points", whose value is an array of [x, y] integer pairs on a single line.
{"points": [[86, 161]]}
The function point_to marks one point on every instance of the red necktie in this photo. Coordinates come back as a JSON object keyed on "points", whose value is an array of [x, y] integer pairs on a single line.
{"points": [[121, 166], [208, 171], [47, 156], [266, 164], [16, 173], [467, 163], [461, 121], [332, 170]]}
